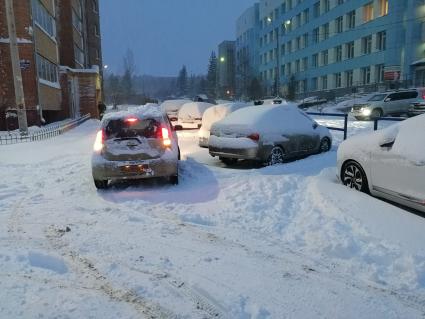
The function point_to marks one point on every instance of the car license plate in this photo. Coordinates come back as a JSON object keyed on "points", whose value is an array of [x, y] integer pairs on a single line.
{"points": [[139, 168]]}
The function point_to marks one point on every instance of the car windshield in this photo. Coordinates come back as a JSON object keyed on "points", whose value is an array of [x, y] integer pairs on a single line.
{"points": [[378, 97], [128, 128]]}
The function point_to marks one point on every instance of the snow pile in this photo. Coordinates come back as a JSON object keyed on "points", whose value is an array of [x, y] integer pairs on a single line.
{"points": [[193, 110], [173, 106], [410, 139]]}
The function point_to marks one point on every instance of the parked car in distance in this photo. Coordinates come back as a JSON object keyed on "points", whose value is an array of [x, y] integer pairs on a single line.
{"points": [[389, 163], [215, 114], [417, 107], [190, 115], [383, 104], [172, 107], [268, 134], [135, 145]]}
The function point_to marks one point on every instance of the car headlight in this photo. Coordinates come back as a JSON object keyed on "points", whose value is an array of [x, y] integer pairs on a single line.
{"points": [[366, 111]]}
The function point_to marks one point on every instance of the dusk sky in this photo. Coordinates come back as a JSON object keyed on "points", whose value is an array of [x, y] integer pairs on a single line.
{"points": [[165, 34]]}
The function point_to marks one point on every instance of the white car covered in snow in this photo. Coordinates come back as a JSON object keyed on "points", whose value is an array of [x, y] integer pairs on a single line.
{"points": [[215, 114], [172, 107], [389, 163], [190, 115], [269, 134]]}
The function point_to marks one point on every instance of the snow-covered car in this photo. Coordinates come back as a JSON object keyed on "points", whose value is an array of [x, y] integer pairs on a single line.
{"points": [[190, 115], [389, 163], [172, 107], [215, 114], [268, 134], [135, 145]]}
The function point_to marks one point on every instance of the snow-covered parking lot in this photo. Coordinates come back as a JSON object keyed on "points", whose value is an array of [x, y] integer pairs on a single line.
{"points": [[277, 242]]}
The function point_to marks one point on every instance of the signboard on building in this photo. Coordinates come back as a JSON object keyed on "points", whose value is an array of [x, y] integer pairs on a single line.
{"points": [[392, 73], [25, 64]]}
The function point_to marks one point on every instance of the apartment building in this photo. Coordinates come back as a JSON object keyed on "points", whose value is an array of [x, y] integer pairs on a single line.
{"points": [[58, 78], [247, 55], [335, 45], [226, 69]]}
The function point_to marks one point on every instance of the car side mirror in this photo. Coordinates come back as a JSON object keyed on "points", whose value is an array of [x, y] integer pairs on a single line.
{"points": [[315, 125], [387, 142]]}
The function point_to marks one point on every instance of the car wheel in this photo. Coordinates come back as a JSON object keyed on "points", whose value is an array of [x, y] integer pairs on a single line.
{"points": [[174, 180], [325, 145], [228, 161], [179, 156], [353, 176], [376, 114], [101, 184], [277, 156]]}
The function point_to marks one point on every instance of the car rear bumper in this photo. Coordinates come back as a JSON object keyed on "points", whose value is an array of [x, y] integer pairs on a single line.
{"points": [[103, 169], [248, 153], [415, 112], [203, 141]]}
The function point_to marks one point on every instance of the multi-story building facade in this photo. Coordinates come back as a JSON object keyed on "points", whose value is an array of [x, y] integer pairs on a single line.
{"points": [[335, 45], [49, 62], [247, 55], [226, 69]]}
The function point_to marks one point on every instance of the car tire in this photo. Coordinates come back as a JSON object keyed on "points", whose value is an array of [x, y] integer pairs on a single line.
{"points": [[101, 184], [178, 156], [228, 161], [325, 145], [174, 180], [376, 114], [353, 176], [277, 156]]}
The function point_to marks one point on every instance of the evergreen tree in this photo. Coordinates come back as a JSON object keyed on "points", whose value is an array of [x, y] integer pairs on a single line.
{"points": [[127, 79], [212, 76], [113, 89], [182, 84]]}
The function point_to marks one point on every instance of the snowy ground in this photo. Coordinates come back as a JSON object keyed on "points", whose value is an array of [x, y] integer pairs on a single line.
{"points": [[276, 242]]}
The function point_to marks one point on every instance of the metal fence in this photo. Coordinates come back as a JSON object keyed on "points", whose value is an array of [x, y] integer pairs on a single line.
{"points": [[340, 129], [42, 134], [393, 119]]}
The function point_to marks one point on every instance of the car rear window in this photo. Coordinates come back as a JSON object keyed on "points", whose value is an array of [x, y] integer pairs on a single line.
{"points": [[123, 128]]}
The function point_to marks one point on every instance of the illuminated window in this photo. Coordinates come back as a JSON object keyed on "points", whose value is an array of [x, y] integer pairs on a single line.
{"points": [[383, 7], [368, 12]]}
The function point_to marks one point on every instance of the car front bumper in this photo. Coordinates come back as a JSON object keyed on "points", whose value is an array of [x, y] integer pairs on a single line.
{"points": [[103, 169]]}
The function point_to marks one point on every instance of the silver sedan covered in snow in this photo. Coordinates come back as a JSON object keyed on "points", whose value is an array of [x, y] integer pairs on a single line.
{"points": [[269, 134]]}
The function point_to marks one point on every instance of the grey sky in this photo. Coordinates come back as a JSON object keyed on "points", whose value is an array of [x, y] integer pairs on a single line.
{"points": [[165, 34]]}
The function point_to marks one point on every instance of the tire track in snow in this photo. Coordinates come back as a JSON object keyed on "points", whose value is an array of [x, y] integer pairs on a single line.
{"points": [[87, 269]]}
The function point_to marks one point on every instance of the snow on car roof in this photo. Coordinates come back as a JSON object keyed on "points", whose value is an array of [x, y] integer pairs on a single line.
{"points": [[173, 105], [218, 112], [194, 109], [409, 141], [142, 111]]}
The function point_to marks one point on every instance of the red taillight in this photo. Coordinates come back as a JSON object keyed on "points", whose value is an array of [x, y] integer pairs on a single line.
{"points": [[254, 136], [165, 135], [98, 143]]}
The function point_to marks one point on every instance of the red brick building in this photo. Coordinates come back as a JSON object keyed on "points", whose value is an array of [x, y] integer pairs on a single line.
{"points": [[56, 57]]}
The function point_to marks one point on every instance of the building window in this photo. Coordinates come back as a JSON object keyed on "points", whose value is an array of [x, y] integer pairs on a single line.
{"points": [[338, 53], [47, 70], [79, 55], [324, 82], [305, 63], [349, 49], [327, 5], [282, 69], [298, 43], [289, 46], [349, 78], [365, 75], [351, 19], [315, 60], [368, 12], [305, 36], [316, 35], [306, 16], [381, 40], [282, 49], [325, 31], [94, 3], [96, 30], [383, 7], [288, 69], [76, 21], [339, 27], [316, 9], [298, 20], [43, 18], [325, 57], [297, 66], [283, 8], [337, 80], [367, 45], [339, 2], [379, 73], [314, 84]]}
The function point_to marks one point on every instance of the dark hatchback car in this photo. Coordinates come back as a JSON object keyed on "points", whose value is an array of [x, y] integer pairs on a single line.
{"points": [[135, 145]]}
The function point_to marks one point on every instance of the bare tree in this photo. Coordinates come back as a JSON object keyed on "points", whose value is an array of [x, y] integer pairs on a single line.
{"points": [[129, 71]]}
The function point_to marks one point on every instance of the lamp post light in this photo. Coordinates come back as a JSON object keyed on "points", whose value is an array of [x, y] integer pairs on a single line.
{"points": [[286, 24]]}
